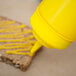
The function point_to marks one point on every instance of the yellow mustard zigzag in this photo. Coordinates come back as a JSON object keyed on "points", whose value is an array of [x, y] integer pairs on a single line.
{"points": [[13, 38]]}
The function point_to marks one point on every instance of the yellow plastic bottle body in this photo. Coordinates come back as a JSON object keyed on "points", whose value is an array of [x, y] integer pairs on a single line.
{"points": [[54, 23]]}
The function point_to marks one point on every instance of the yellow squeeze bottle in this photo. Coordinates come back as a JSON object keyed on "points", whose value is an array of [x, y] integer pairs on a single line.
{"points": [[54, 24]]}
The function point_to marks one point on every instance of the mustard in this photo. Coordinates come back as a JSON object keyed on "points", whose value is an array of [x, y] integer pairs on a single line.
{"points": [[54, 23]]}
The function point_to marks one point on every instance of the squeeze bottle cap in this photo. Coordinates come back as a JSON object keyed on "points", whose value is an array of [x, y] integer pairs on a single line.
{"points": [[54, 23]]}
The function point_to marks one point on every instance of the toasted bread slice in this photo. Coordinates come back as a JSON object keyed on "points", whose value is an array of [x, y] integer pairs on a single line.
{"points": [[16, 38]]}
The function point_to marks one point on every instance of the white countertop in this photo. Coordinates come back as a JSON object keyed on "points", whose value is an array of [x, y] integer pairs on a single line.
{"points": [[48, 62]]}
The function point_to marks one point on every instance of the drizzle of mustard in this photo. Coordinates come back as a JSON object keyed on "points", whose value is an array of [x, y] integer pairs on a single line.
{"points": [[16, 43]]}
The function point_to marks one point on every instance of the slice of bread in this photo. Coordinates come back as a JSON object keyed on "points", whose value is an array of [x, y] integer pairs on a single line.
{"points": [[15, 36]]}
